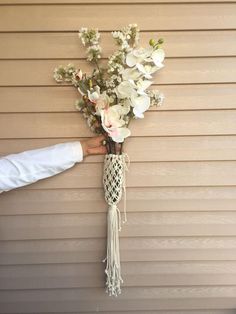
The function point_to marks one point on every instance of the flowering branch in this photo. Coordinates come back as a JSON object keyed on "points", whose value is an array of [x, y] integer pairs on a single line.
{"points": [[111, 97]]}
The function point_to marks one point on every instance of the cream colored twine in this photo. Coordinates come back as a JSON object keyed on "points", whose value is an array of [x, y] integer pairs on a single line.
{"points": [[126, 165], [114, 180]]}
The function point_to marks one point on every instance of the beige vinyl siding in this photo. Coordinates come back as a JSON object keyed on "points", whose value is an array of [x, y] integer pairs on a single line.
{"points": [[178, 249], [159, 16]]}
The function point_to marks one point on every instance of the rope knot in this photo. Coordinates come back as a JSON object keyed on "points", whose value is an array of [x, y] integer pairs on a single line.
{"points": [[114, 183]]}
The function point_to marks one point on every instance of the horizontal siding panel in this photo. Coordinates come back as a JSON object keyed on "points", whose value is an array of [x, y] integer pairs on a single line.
{"points": [[41, 125], [214, 311], [62, 98], [151, 224], [131, 249], [35, 125], [178, 247], [131, 2], [68, 45], [148, 17], [151, 199], [181, 148], [147, 175], [132, 298], [189, 148], [136, 274], [168, 312], [177, 71]]}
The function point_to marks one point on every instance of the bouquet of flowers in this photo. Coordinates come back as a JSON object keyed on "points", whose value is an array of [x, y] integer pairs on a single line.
{"points": [[110, 97]]}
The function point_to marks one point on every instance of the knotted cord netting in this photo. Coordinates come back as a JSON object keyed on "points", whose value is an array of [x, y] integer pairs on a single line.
{"points": [[114, 183]]}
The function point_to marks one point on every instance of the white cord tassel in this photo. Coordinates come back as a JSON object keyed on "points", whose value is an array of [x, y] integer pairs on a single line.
{"points": [[113, 270], [114, 181]]}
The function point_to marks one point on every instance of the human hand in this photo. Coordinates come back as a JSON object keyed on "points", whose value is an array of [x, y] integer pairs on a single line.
{"points": [[94, 146]]}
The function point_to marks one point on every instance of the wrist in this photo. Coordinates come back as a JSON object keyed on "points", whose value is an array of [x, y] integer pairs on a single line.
{"points": [[84, 147]]}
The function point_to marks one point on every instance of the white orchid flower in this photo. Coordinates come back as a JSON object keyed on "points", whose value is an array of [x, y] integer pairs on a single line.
{"points": [[113, 123], [137, 56], [113, 116], [140, 104], [158, 56], [94, 95], [119, 134], [130, 74], [122, 109], [142, 85], [125, 89], [125, 107], [146, 70], [102, 102]]}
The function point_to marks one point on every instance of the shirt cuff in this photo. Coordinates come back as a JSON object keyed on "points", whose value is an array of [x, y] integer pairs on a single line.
{"points": [[78, 151]]}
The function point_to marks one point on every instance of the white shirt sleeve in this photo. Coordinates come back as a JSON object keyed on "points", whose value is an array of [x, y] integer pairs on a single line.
{"points": [[30, 166]]}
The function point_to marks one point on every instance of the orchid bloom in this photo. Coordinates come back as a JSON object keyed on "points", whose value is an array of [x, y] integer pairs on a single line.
{"points": [[102, 102], [147, 70], [137, 56], [94, 95], [125, 89], [142, 85], [130, 73], [157, 57], [135, 94], [113, 123], [140, 104]]}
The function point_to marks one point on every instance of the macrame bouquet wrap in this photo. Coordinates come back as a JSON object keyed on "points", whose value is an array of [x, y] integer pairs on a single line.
{"points": [[114, 183], [110, 97]]}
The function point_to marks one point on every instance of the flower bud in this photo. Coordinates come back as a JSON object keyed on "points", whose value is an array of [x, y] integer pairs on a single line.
{"points": [[152, 42], [79, 75]]}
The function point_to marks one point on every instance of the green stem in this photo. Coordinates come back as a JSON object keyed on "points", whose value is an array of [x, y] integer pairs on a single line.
{"points": [[96, 63]]}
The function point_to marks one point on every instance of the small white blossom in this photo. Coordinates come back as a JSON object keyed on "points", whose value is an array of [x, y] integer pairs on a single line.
{"points": [[94, 52], [57, 76], [156, 97], [89, 36]]}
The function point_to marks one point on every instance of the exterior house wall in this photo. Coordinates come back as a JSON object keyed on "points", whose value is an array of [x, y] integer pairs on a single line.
{"points": [[178, 249]]}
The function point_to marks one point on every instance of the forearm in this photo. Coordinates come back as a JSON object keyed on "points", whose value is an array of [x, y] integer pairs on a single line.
{"points": [[21, 169]]}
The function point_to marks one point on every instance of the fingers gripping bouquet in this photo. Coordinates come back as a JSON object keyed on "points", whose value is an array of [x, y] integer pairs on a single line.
{"points": [[110, 97]]}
